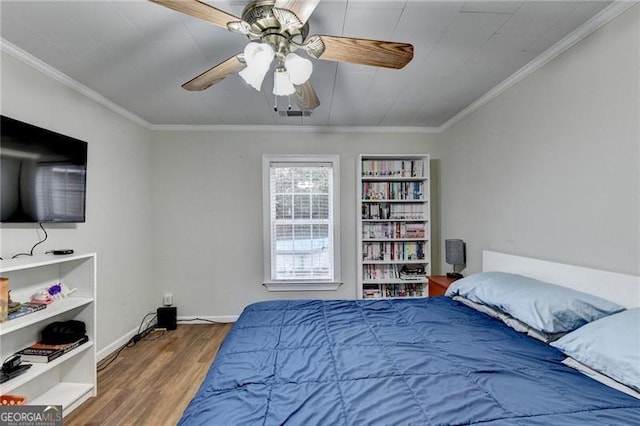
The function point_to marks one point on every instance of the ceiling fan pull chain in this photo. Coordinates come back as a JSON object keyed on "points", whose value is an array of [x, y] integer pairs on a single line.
{"points": [[289, 97], [275, 103]]}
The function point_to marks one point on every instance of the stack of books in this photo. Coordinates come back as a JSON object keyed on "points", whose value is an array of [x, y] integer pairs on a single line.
{"points": [[41, 352], [25, 309], [412, 272]]}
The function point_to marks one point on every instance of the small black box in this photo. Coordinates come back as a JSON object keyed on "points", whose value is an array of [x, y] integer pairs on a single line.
{"points": [[167, 317]]}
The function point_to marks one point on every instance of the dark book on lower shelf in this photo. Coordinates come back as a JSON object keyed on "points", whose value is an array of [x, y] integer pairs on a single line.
{"points": [[43, 353], [25, 309]]}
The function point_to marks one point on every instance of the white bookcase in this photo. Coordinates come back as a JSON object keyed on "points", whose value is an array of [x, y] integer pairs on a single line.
{"points": [[394, 229], [70, 379]]}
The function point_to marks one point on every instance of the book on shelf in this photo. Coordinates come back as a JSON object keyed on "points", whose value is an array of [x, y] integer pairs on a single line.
{"points": [[371, 291], [411, 191], [393, 230], [412, 272], [392, 168], [393, 290], [393, 250], [25, 309], [42, 353], [383, 210], [404, 290]]}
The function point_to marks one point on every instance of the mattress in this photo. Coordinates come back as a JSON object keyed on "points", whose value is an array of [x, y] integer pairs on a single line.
{"points": [[426, 361]]}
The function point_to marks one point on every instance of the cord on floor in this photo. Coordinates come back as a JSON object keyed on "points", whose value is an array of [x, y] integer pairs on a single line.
{"points": [[141, 334]]}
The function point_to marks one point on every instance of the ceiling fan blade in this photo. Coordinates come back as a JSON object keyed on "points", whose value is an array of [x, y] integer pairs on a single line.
{"points": [[301, 8], [215, 74], [200, 10], [306, 97], [387, 54]]}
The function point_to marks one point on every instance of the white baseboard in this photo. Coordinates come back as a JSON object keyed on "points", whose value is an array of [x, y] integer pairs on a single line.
{"points": [[206, 319], [115, 345]]}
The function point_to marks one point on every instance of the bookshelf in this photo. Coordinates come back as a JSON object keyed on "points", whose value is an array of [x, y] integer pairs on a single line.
{"points": [[393, 229], [70, 379]]}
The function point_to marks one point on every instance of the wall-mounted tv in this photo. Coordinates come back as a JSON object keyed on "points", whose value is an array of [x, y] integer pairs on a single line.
{"points": [[43, 175]]}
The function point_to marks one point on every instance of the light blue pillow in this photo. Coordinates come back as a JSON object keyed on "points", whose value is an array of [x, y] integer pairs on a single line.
{"points": [[546, 307], [610, 346]]}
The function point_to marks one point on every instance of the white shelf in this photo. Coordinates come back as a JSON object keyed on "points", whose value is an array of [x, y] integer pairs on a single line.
{"points": [[38, 368], [65, 394], [395, 262], [30, 262], [56, 308], [70, 379]]}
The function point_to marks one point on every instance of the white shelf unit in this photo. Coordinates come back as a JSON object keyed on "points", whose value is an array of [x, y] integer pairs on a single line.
{"points": [[70, 379], [394, 228]]}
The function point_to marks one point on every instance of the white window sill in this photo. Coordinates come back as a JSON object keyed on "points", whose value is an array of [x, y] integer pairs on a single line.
{"points": [[302, 286]]}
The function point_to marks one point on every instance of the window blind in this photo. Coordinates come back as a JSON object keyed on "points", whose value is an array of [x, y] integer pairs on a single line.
{"points": [[301, 219]]}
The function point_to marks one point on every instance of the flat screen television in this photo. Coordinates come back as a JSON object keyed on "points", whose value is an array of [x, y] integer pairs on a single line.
{"points": [[43, 175]]}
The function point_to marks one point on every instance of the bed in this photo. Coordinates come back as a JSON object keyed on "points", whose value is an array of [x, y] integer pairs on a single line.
{"points": [[434, 361]]}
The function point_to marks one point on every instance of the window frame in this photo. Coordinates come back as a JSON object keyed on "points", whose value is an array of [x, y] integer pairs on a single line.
{"points": [[299, 284]]}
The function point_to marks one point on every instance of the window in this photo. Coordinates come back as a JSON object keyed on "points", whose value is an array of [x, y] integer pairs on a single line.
{"points": [[301, 222]]}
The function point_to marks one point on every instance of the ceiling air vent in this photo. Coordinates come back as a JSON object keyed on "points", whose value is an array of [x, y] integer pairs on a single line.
{"points": [[294, 113]]}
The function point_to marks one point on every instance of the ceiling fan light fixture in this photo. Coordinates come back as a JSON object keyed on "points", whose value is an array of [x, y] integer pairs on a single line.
{"points": [[282, 85], [258, 57], [299, 68], [282, 26]]}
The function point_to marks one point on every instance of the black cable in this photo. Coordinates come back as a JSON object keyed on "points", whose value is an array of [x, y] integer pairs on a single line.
{"points": [[36, 244], [142, 322], [130, 343], [102, 367], [141, 334], [200, 319]]}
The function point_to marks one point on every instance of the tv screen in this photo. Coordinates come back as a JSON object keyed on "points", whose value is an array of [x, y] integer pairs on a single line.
{"points": [[43, 175]]}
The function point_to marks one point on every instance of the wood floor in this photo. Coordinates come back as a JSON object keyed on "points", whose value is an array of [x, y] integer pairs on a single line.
{"points": [[152, 382]]}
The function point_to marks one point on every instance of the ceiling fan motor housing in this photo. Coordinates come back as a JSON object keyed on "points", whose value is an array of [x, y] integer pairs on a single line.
{"points": [[280, 28]]}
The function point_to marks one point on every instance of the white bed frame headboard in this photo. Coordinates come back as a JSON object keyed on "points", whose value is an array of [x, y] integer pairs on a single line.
{"points": [[619, 288]]}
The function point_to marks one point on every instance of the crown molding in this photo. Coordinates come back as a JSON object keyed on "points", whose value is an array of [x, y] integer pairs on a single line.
{"points": [[601, 19], [598, 21], [64, 79], [290, 129]]}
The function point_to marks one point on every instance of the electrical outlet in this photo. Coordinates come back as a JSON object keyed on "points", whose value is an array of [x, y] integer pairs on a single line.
{"points": [[167, 300]]}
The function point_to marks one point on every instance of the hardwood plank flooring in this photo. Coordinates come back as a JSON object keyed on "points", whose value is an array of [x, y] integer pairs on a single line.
{"points": [[152, 382]]}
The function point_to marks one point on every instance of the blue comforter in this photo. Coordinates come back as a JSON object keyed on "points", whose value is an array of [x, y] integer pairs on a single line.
{"points": [[393, 362]]}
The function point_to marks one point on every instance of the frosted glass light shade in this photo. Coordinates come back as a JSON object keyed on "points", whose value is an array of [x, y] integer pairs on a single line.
{"points": [[253, 77], [258, 57], [299, 68], [282, 84], [250, 51]]}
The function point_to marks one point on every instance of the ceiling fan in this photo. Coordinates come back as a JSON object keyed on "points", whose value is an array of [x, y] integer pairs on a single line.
{"points": [[276, 29]]}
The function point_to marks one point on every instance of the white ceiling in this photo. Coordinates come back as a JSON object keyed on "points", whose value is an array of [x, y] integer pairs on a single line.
{"points": [[137, 54]]}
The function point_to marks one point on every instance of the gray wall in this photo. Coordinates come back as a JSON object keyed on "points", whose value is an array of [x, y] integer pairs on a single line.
{"points": [[549, 169], [208, 211], [118, 207]]}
